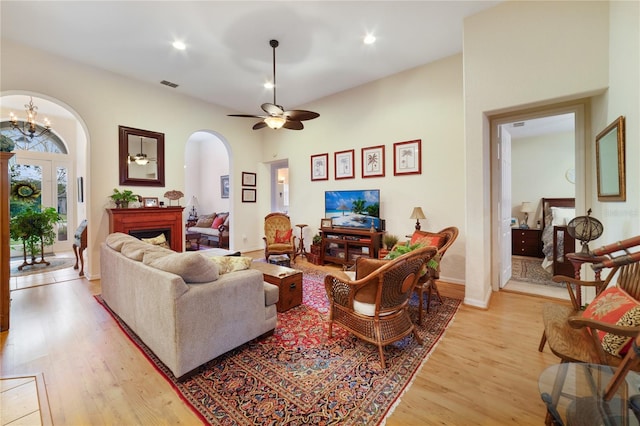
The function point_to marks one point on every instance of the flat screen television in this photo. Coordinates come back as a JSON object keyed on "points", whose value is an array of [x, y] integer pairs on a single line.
{"points": [[354, 208]]}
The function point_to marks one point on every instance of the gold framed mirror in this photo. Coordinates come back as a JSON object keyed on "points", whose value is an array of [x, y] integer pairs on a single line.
{"points": [[610, 162], [141, 157]]}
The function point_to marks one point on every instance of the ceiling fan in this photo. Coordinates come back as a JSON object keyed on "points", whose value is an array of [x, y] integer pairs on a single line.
{"points": [[140, 158], [276, 116]]}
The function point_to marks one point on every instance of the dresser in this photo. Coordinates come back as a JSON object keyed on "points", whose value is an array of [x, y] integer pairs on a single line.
{"points": [[526, 242]]}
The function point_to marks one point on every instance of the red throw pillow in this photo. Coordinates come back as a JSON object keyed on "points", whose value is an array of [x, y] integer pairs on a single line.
{"points": [[426, 239], [219, 220], [283, 237], [614, 306]]}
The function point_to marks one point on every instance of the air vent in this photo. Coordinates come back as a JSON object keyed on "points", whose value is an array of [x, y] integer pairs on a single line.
{"points": [[519, 124], [168, 83]]}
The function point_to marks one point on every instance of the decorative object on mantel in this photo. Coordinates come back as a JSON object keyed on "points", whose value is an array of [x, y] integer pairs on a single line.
{"points": [[122, 199], [417, 214], [6, 144], [173, 195], [29, 126]]}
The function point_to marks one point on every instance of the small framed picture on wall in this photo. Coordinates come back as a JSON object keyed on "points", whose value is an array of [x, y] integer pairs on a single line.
{"points": [[224, 186], [407, 158], [320, 167], [248, 179], [373, 161], [248, 195], [344, 164]]}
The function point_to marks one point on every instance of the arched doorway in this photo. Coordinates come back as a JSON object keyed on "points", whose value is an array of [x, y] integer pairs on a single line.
{"points": [[208, 176]]}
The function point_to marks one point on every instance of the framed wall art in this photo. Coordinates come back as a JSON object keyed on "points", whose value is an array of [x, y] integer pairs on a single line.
{"points": [[407, 158], [224, 186], [248, 179], [248, 195], [320, 167], [344, 164], [373, 161], [81, 189], [610, 162]]}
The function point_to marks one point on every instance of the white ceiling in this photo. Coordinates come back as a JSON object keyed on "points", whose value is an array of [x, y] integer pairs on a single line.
{"points": [[228, 56]]}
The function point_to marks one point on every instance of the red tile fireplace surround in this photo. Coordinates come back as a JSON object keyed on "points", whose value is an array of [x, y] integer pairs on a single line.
{"points": [[132, 221]]}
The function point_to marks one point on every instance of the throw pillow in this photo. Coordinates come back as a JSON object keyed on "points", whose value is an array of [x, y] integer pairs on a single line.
{"points": [[614, 306], [426, 239], [117, 240], [160, 240], [283, 237], [191, 266], [228, 264], [219, 220], [205, 221]]}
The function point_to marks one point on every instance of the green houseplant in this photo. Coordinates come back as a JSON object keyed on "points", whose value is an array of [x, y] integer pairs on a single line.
{"points": [[389, 240], [36, 229], [124, 197]]}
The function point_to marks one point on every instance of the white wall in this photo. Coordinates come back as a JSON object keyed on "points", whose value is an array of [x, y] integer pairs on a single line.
{"points": [[520, 54], [538, 168], [423, 103], [103, 101]]}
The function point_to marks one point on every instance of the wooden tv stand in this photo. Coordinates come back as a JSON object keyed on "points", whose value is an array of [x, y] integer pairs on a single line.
{"points": [[344, 245]]}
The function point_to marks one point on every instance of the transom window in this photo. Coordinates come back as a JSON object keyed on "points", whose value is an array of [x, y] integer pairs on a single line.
{"points": [[46, 143]]}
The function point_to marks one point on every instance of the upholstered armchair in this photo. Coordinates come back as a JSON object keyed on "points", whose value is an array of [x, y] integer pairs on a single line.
{"points": [[374, 305], [278, 236]]}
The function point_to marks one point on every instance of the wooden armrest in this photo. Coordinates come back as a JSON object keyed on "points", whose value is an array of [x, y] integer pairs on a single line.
{"points": [[577, 321], [570, 280]]}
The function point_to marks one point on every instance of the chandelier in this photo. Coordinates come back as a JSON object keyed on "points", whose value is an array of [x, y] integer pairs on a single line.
{"points": [[28, 128]]}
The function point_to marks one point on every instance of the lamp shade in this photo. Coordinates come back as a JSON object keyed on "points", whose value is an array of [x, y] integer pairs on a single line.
{"points": [[526, 207], [417, 213], [193, 202]]}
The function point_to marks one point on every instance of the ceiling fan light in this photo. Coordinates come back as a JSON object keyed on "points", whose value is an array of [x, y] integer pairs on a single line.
{"points": [[275, 122], [141, 159]]}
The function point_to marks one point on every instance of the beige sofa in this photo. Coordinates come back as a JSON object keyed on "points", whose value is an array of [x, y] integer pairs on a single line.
{"points": [[187, 308]]}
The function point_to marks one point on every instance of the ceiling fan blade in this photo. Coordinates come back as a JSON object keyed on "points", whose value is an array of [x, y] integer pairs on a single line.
{"points": [[293, 125], [245, 115], [301, 115], [272, 109], [259, 125]]}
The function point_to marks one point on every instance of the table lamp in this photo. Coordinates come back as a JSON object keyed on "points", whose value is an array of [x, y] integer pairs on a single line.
{"points": [[526, 208], [417, 214], [193, 212]]}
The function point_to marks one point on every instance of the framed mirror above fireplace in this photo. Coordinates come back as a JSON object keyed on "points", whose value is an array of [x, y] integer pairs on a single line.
{"points": [[141, 157]]}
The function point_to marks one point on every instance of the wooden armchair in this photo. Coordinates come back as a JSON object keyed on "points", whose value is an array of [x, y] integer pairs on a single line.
{"points": [[279, 238], [374, 305], [601, 333]]}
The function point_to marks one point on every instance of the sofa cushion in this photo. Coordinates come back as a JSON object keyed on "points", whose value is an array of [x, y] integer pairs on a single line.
{"points": [[205, 221], [135, 249], [614, 306], [117, 239], [228, 264], [271, 294], [160, 240], [191, 266]]}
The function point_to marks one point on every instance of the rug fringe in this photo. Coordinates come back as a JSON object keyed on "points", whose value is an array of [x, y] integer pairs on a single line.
{"points": [[396, 403]]}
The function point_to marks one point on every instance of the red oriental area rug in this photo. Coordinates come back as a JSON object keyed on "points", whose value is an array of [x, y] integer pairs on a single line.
{"points": [[298, 376]]}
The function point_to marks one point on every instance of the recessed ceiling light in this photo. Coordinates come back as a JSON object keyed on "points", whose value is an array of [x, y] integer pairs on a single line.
{"points": [[179, 45], [268, 85], [369, 39]]}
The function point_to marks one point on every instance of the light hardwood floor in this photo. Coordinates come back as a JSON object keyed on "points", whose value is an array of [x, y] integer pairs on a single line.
{"points": [[483, 371]]}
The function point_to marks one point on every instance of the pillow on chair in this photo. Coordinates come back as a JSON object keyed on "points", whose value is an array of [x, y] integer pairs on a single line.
{"points": [[205, 221], [283, 237], [219, 220], [426, 239], [614, 306]]}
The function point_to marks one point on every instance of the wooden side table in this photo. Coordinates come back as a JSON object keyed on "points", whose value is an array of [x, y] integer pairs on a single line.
{"points": [[301, 250], [288, 280]]}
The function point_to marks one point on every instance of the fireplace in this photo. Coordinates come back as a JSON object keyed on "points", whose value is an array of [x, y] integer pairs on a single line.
{"points": [[149, 222]]}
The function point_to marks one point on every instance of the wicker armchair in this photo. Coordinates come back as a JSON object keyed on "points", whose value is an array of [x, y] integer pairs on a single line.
{"points": [[279, 238], [576, 336], [427, 282], [374, 306]]}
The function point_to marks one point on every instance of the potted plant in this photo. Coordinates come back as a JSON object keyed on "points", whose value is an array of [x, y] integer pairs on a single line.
{"points": [[315, 244], [123, 198], [6, 144], [36, 230], [389, 241]]}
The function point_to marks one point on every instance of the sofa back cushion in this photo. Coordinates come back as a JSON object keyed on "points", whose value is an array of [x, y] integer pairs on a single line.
{"points": [[191, 266], [228, 264], [136, 249], [116, 240]]}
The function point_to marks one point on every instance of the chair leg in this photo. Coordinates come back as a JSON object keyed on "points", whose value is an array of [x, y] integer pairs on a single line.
{"points": [[75, 251], [417, 336], [381, 351], [420, 304], [543, 341]]}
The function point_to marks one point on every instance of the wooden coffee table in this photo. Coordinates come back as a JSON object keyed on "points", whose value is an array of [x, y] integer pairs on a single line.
{"points": [[288, 280]]}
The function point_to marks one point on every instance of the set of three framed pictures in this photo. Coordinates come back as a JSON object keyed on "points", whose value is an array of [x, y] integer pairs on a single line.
{"points": [[407, 160]]}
